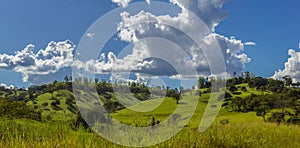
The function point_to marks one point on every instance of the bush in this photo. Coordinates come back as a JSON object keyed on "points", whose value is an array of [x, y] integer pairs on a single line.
{"points": [[294, 120], [244, 89], [18, 109], [224, 121], [70, 101], [45, 104], [207, 91], [277, 117], [237, 93]]}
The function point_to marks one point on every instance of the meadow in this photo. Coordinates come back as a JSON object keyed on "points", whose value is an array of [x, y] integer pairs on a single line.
{"points": [[231, 128]]}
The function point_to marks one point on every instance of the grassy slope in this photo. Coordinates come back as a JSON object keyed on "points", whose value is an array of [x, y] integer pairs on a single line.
{"points": [[47, 111], [167, 107], [243, 130]]}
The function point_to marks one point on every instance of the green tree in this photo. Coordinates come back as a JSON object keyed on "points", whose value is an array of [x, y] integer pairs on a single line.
{"points": [[96, 81], [201, 82], [181, 90], [66, 79], [233, 89], [288, 80], [237, 103], [18, 109], [275, 85], [262, 110]]}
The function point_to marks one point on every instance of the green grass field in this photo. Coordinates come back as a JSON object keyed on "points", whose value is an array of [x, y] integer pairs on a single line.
{"points": [[242, 130]]}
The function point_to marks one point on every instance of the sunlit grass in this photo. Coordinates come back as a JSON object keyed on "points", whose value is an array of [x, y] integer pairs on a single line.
{"points": [[242, 130]]}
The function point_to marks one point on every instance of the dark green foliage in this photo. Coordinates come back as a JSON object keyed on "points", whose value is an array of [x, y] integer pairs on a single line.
{"points": [[275, 86], [288, 80], [262, 109], [112, 107], [207, 91], [70, 101], [224, 121], [174, 94], [244, 89], [79, 122], [107, 96], [294, 120], [238, 103], [257, 82], [142, 96], [277, 117], [87, 119], [55, 104], [18, 109], [233, 89], [202, 83], [154, 122]]}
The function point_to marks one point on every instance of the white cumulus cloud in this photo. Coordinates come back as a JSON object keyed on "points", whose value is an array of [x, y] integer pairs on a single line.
{"points": [[56, 56], [291, 67], [7, 86], [250, 43], [90, 35], [122, 3], [148, 1], [145, 25], [158, 49]]}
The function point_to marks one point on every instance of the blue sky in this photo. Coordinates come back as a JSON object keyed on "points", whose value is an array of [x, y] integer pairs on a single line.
{"points": [[272, 24]]}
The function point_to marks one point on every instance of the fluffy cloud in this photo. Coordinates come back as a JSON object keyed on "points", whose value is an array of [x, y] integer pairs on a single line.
{"points": [[184, 55], [148, 1], [122, 3], [56, 56], [111, 63], [158, 49], [250, 43], [291, 68], [6, 86], [90, 35], [210, 11]]}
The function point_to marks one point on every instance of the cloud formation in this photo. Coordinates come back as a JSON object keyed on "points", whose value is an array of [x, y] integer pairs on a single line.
{"points": [[90, 35], [148, 1], [145, 25], [158, 49], [291, 67], [6, 86], [250, 43], [56, 56], [122, 3]]}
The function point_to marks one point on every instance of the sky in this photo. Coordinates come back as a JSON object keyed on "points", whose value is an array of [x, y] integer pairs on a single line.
{"points": [[38, 39]]}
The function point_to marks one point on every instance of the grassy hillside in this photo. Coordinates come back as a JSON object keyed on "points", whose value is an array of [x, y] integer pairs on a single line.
{"points": [[60, 111], [243, 130], [231, 128]]}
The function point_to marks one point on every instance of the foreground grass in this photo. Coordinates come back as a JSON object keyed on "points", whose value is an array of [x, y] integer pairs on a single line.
{"points": [[243, 129], [27, 133]]}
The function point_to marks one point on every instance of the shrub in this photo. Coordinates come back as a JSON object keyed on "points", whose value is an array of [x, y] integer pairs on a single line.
{"points": [[244, 89], [18, 109], [294, 120], [45, 104], [277, 117], [224, 121]]}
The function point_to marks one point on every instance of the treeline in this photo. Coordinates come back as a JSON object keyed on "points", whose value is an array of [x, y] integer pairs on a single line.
{"points": [[258, 83], [279, 98], [18, 109]]}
